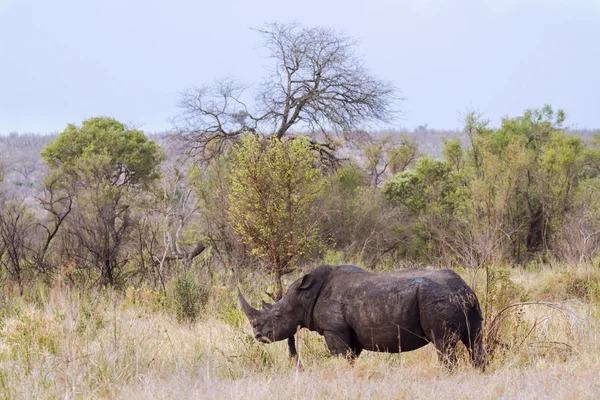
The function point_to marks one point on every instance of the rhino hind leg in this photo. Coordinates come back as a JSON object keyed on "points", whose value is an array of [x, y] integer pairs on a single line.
{"points": [[473, 340], [446, 349], [447, 354]]}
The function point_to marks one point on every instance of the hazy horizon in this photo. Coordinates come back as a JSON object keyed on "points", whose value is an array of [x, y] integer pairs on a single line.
{"points": [[65, 61]]}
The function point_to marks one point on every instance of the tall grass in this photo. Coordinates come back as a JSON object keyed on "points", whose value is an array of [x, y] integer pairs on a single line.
{"points": [[106, 344]]}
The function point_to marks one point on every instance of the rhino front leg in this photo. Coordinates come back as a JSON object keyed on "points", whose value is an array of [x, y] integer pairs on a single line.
{"points": [[339, 344], [292, 346], [294, 354]]}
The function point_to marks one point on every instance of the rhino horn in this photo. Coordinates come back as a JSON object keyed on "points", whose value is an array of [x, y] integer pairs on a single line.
{"points": [[248, 310]]}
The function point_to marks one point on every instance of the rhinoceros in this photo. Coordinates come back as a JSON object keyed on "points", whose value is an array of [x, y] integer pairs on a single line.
{"points": [[356, 310]]}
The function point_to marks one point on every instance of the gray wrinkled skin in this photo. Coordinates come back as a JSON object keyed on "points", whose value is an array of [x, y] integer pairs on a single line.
{"points": [[358, 310]]}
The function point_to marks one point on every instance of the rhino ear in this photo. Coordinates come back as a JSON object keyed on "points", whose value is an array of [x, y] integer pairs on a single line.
{"points": [[306, 282], [266, 306]]}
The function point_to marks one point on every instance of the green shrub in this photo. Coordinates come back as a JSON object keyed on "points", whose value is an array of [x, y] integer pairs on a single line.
{"points": [[189, 297], [227, 309], [583, 284], [503, 323], [91, 319], [333, 257], [31, 337]]}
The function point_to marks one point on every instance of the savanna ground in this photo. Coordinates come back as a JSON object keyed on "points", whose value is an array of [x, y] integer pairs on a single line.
{"points": [[61, 342]]}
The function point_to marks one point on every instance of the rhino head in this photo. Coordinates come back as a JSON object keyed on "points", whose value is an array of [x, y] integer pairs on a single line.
{"points": [[280, 320]]}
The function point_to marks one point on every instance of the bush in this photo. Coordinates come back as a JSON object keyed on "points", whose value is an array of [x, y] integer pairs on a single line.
{"points": [[227, 308], [189, 297], [32, 336], [579, 283], [503, 323], [333, 257]]}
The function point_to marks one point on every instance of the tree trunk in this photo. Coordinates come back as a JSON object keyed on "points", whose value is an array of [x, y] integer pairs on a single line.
{"points": [[278, 295], [109, 273], [535, 236], [20, 281], [279, 287]]}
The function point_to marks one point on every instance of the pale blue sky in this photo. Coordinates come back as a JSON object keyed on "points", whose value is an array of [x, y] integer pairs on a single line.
{"points": [[63, 61]]}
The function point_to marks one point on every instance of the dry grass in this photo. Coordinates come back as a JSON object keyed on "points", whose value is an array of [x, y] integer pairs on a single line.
{"points": [[107, 345]]}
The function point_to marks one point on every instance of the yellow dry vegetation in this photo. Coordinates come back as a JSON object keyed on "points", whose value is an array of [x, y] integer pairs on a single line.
{"points": [[107, 344]]}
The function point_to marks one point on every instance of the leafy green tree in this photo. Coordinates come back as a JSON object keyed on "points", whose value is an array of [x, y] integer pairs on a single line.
{"points": [[434, 194], [103, 151], [389, 155], [454, 153], [549, 167], [274, 184], [105, 165], [357, 221], [506, 196], [431, 185]]}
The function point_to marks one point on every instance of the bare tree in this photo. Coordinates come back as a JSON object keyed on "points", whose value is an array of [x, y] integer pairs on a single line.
{"points": [[317, 85], [177, 205], [24, 239], [17, 240], [58, 205]]}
